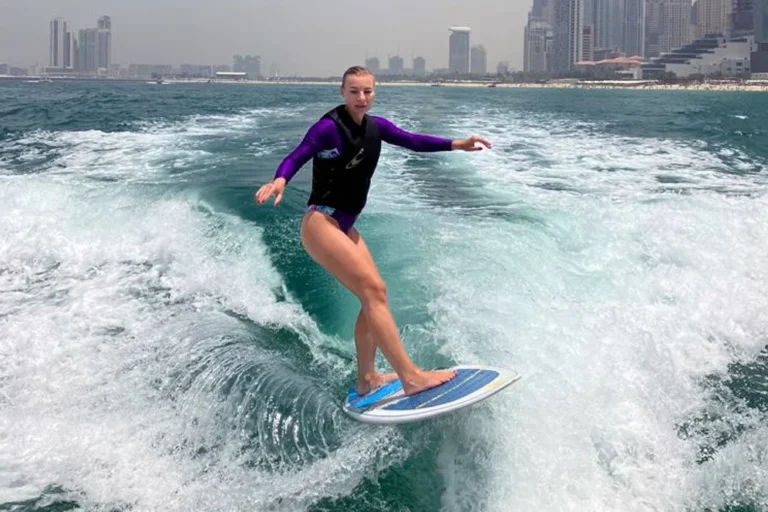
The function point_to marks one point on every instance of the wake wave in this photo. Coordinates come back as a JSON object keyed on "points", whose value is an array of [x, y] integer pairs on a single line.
{"points": [[150, 355], [622, 277]]}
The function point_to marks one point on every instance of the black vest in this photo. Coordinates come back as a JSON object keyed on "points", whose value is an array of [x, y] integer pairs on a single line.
{"points": [[343, 181]]}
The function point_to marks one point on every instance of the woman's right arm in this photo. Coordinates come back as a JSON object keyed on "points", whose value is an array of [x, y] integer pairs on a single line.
{"points": [[298, 157], [309, 146]]}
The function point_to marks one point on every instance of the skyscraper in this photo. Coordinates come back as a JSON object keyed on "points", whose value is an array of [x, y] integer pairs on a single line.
{"points": [[372, 63], [588, 30], [616, 24], [478, 62], [742, 21], [70, 50], [250, 64], [543, 10], [759, 59], [634, 27], [67, 53], [601, 17], [104, 43], [653, 26], [88, 50], [57, 42], [589, 13], [674, 25], [458, 50], [667, 26], [587, 50], [568, 34], [396, 66], [714, 17], [419, 66], [537, 45], [760, 10]]}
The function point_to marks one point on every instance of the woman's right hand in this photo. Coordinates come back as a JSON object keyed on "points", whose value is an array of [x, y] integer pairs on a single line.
{"points": [[271, 189]]}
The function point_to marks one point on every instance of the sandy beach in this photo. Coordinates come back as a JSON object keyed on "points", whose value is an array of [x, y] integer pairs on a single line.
{"points": [[650, 85], [747, 86]]}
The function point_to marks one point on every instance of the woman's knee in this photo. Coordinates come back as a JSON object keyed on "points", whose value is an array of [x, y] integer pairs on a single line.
{"points": [[373, 290]]}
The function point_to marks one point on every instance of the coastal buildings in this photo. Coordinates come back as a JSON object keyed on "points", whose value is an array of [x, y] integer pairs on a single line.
{"points": [[560, 36], [556, 36], [88, 53], [249, 64], [478, 61], [713, 55], [706, 37], [458, 50], [568, 32], [537, 49]]}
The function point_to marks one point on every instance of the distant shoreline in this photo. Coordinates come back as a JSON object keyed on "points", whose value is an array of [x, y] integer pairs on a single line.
{"points": [[748, 86], [645, 85]]}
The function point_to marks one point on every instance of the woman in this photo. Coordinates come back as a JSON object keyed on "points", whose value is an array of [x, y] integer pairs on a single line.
{"points": [[345, 145]]}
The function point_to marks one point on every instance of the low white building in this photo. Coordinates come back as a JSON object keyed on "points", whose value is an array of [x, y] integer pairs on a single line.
{"points": [[231, 75], [707, 56]]}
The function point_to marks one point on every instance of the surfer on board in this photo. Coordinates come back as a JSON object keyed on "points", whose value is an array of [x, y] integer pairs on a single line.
{"points": [[345, 145]]}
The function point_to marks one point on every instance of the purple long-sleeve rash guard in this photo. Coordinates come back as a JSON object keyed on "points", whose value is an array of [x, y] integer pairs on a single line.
{"points": [[324, 136]]}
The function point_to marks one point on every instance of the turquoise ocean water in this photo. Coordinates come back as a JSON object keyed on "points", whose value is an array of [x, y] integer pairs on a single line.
{"points": [[166, 344]]}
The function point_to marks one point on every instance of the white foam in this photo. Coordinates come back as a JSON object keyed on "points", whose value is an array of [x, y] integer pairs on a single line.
{"points": [[613, 298], [614, 293], [118, 344], [156, 152]]}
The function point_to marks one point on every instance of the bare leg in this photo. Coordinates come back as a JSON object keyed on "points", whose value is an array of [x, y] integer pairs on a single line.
{"points": [[367, 378], [344, 259]]}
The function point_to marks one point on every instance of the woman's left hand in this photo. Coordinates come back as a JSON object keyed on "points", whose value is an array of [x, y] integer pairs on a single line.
{"points": [[468, 144]]}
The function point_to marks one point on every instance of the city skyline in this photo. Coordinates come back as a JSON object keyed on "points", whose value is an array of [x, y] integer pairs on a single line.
{"points": [[646, 38], [90, 54], [86, 50], [298, 41]]}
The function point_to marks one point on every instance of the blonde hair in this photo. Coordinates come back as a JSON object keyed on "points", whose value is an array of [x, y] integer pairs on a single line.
{"points": [[355, 71]]}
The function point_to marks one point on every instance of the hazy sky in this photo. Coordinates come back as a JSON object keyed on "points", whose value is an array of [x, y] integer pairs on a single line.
{"points": [[310, 37]]}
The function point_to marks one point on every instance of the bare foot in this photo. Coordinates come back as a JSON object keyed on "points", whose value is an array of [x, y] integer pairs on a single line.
{"points": [[368, 383], [423, 380]]}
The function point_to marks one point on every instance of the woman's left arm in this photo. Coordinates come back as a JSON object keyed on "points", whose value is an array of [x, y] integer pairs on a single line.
{"points": [[392, 134]]}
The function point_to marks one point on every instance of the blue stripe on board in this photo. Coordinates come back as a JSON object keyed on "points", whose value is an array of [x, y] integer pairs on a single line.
{"points": [[361, 402], [464, 383]]}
